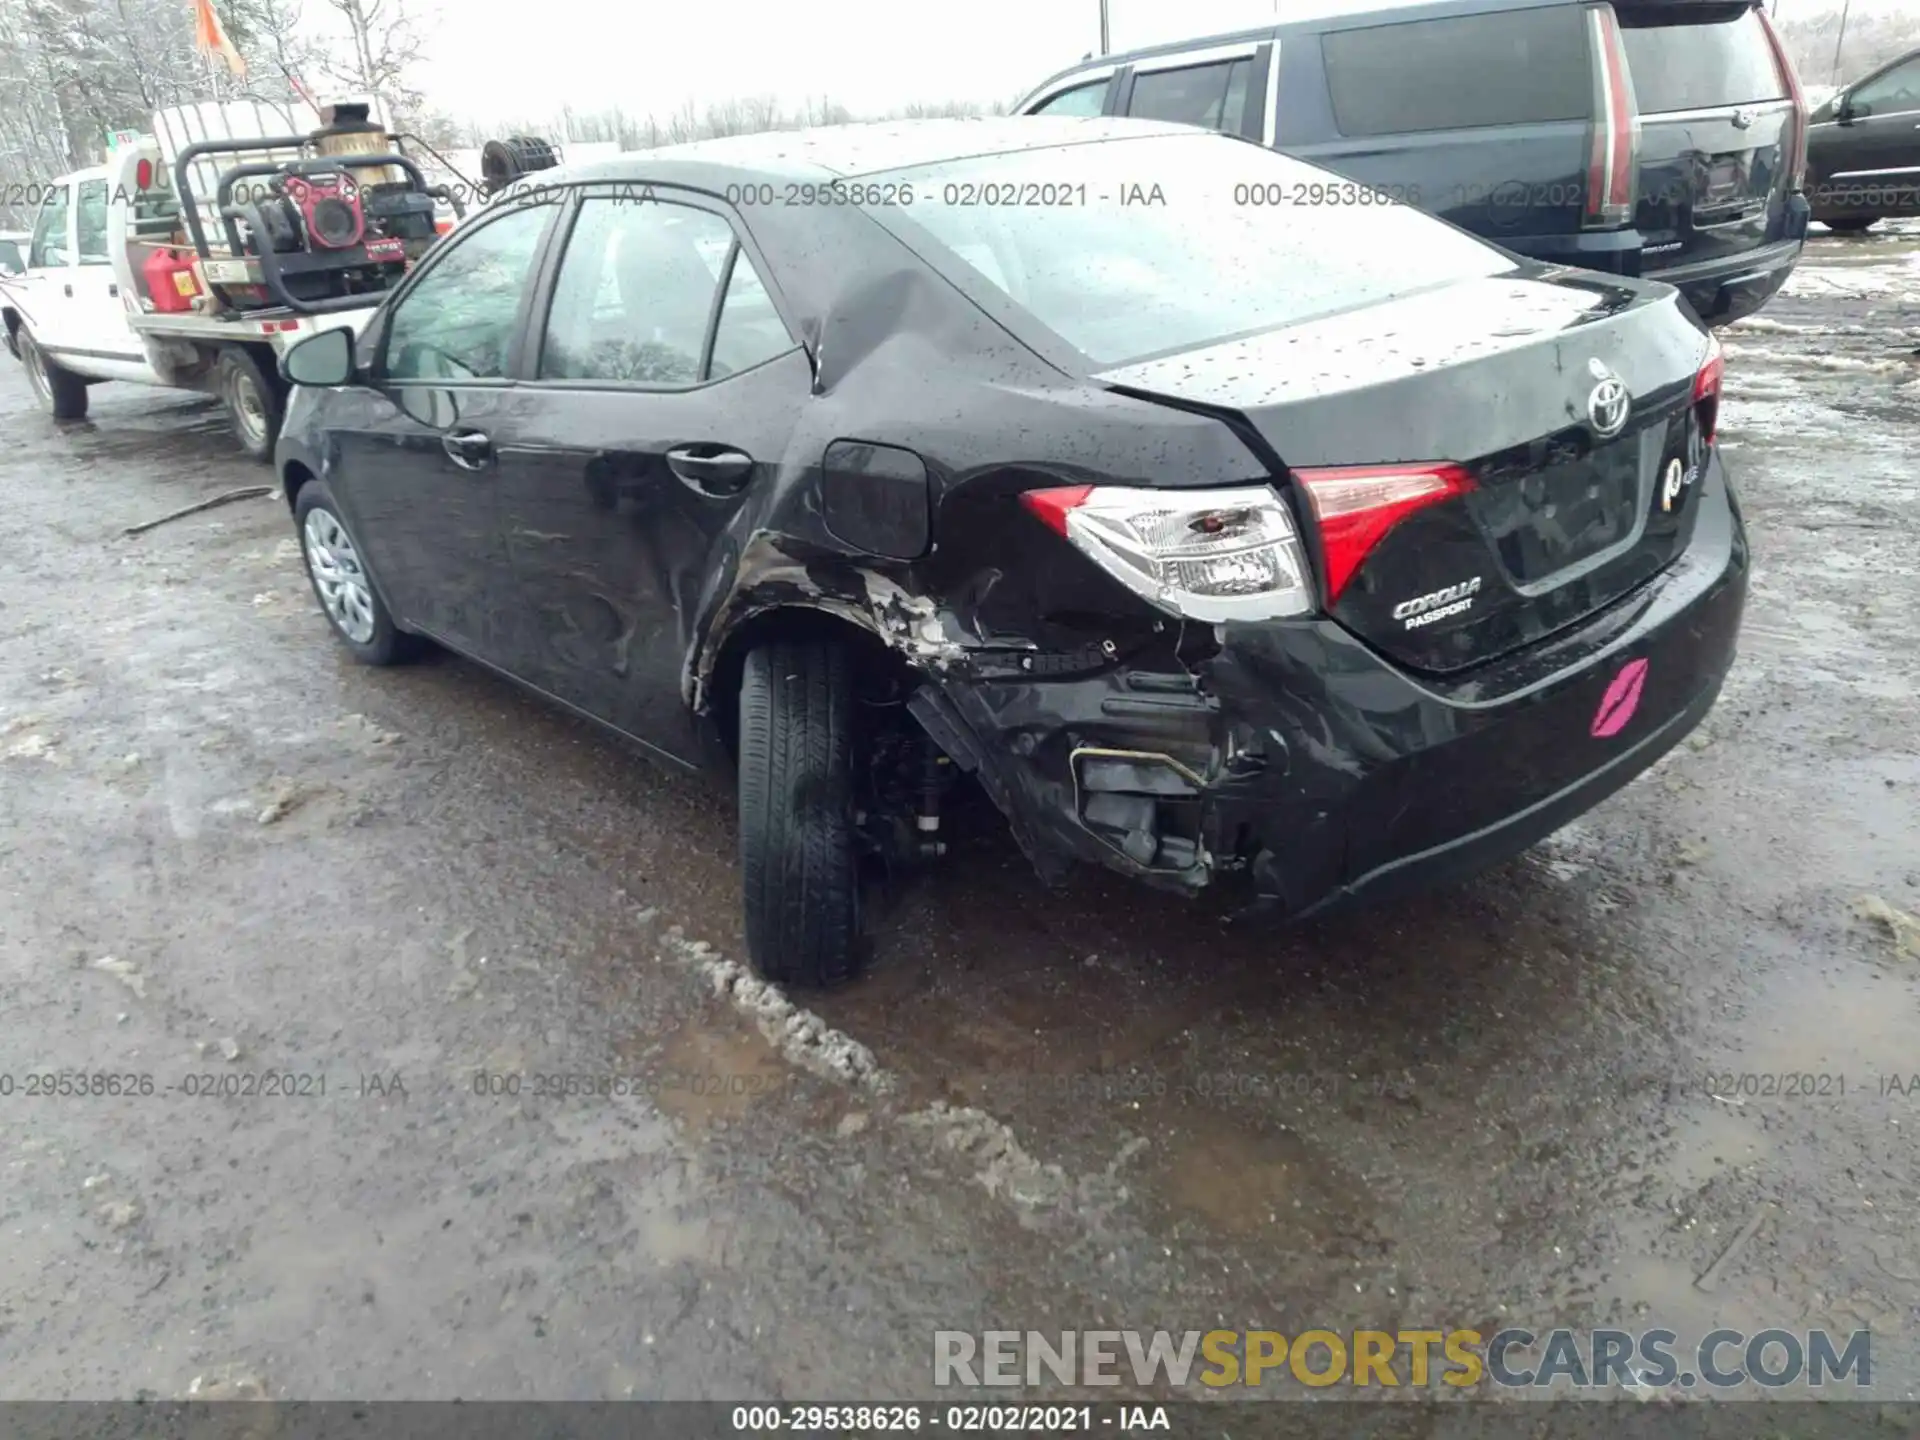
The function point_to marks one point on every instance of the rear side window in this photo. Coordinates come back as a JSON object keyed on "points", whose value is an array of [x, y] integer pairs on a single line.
{"points": [[1511, 67], [1726, 61], [1089, 99], [50, 230], [1213, 96], [12, 262], [90, 225]]}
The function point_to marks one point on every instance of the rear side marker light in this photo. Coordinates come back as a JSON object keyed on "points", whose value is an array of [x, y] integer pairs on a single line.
{"points": [[1706, 390], [1356, 505], [1212, 555]]}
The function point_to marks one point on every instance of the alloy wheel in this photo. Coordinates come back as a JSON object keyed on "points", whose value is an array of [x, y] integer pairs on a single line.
{"points": [[338, 575]]}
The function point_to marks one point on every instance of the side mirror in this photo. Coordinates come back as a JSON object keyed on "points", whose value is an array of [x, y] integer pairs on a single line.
{"points": [[323, 359], [1845, 111]]}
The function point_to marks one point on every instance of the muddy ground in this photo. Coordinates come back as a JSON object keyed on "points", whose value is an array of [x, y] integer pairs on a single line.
{"points": [[226, 850]]}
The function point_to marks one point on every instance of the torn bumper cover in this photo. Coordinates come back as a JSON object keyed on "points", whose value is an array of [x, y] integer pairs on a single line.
{"points": [[1300, 762]]}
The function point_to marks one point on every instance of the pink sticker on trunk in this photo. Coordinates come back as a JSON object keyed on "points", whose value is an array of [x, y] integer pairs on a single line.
{"points": [[1621, 700]]}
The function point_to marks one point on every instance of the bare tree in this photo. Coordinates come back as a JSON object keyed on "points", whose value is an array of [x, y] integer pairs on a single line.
{"points": [[383, 45]]}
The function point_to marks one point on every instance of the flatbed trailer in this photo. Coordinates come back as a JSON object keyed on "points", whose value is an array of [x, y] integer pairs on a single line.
{"points": [[91, 307]]}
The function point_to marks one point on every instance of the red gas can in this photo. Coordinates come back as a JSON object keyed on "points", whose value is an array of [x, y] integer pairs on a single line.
{"points": [[171, 281]]}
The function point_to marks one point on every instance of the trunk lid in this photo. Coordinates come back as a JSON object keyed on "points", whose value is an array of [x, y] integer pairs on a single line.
{"points": [[1717, 130], [1497, 375]]}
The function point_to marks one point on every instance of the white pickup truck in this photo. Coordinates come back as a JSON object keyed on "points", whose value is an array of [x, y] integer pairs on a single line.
{"points": [[197, 253]]}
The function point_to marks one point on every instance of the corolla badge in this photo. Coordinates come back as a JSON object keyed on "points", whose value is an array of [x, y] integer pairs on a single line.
{"points": [[1608, 403]]}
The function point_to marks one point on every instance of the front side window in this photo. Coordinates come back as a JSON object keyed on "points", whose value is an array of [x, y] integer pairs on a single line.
{"points": [[1088, 99], [635, 297], [1510, 67], [459, 322], [91, 223], [1209, 252], [1213, 96], [50, 230], [1897, 90], [12, 262]]}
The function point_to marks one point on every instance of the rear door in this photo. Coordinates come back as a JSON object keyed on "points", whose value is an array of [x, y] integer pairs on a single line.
{"points": [[100, 315], [1219, 88], [1716, 131], [662, 387]]}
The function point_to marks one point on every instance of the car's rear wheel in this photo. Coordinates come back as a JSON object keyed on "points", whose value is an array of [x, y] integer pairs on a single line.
{"points": [[342, 583], [1852, 227], [798, 858], [60, 392], [254, 399]]}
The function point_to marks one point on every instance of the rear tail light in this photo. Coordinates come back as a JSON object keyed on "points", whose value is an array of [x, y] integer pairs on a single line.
{"points": [[1208, 555], [1357, 505], [1794, 161], [1613, 161], [1706, 390]]}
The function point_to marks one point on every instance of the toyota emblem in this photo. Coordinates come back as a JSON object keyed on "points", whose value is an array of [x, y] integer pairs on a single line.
{"points": [[1608, 404]]}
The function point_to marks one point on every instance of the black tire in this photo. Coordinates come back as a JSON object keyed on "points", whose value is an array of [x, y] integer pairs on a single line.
{"points": [[61, 393], [383, 642], [799, 868], [1852, 227], [256, 401]]}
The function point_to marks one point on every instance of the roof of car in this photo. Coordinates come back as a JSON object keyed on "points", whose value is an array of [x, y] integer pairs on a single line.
{"points": [[1310, 16], [831, 151]]}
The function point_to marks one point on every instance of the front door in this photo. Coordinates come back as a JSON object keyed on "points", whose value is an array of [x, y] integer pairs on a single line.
{"points": [[1881, 141], [664, 389], [415, 473], [41, 293]]}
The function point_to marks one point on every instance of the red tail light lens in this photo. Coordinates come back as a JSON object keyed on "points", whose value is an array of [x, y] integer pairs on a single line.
{"points": [[1357, 505], [1794, 161], [1706, 390], [143, 175], [1613, 165]]}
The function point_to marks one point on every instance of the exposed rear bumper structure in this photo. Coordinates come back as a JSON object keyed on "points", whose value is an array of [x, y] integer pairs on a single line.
{"points": [[1303, 766]]}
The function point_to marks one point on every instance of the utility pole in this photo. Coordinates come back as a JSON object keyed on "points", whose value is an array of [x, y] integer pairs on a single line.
{"points": [[1105, 46], [1833, 75]]}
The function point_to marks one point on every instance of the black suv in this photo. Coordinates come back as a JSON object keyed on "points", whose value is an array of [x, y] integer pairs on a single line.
{"points": [[1665, 138]]}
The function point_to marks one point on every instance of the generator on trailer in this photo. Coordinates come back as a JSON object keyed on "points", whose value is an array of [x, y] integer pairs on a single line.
{"points": [[206, 245]]}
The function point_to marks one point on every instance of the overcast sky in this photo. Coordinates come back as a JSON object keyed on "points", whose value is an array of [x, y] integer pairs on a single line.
{"points": [[496, 60]]}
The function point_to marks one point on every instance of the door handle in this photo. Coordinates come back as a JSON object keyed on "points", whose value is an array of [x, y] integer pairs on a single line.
{"points": [[69, 290], [113, 289], [468, 449], [714, 470]]}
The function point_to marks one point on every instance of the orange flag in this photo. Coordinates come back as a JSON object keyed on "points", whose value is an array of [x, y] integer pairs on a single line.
{"points": [[210, 37]]}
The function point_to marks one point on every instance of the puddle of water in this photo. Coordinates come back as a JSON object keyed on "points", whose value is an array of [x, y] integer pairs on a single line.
{"points": [[715, 1070]]}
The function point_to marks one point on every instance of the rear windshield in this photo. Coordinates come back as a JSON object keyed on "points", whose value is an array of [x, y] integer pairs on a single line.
{"points": [[1701, 66], [1133, 248], [1511, 67]]}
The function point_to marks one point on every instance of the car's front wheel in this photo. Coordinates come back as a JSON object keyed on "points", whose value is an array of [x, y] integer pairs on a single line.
{"points": [[798, 862], [343, 584], [60, 392]]}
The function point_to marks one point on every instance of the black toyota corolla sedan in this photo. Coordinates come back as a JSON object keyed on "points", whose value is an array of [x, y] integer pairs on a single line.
{"points": [[1313, 551]]}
